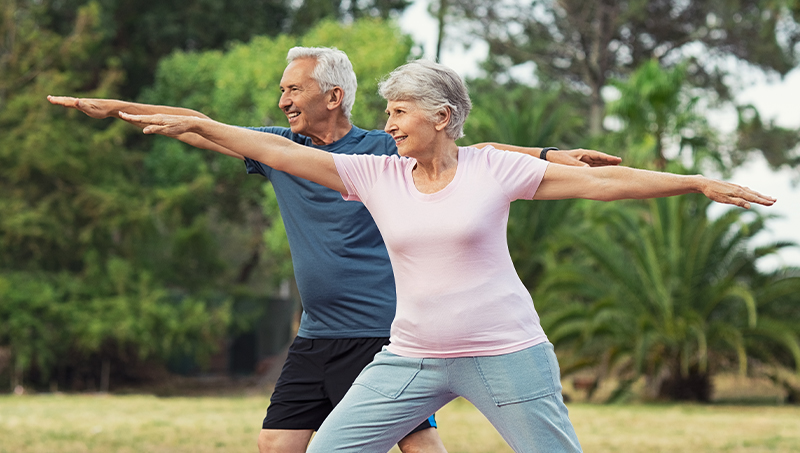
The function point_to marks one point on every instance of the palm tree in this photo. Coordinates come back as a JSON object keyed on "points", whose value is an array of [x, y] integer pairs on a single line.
{"points": [[668, 293]]}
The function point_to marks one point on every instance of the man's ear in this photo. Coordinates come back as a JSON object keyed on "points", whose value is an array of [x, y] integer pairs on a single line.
{"points": [[335, 98], [443, 118]]}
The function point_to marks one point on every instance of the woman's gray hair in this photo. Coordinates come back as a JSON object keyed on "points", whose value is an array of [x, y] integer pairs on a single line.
{"points": [[333, 69], [433, 87]]}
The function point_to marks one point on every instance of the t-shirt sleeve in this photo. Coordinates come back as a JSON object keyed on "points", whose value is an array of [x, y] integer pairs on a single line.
{"points": [[256, 167], [518, 174], [359, 173]]}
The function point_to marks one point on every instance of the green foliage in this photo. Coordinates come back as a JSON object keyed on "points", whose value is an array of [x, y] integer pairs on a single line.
{"points": [[670, 294], [772, 140], [659, 111], [585, 44], [47, 317], [88, 245], [517, 114], [140, 33]]}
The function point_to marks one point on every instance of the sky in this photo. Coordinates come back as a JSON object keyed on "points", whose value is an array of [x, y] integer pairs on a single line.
{"points": [[776, 99]]}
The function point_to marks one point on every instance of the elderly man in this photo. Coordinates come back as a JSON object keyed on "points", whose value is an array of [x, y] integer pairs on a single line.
{"points": [[341, 265]]}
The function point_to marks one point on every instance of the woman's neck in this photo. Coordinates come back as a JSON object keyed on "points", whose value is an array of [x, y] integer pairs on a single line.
{"points": [[435, 171]]}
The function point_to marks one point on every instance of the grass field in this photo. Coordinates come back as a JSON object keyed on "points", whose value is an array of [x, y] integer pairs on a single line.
{"points": [[102, 423]]}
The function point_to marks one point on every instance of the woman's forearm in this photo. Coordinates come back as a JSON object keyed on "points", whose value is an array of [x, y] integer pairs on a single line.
{"points": [[618, 183], [266, 148], [273, 150]]}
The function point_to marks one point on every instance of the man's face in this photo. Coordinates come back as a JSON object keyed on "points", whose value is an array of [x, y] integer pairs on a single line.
{"points": [[304, 104]]}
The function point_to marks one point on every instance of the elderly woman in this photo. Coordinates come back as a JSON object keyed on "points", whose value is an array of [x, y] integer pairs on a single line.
{"points": [[465, 324]]}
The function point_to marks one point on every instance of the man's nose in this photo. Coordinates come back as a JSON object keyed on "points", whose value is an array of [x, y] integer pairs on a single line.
{"points": [[284, 101]]}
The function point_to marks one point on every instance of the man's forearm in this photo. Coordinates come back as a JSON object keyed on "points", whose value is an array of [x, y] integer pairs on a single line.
{"points": [[136, 108]]}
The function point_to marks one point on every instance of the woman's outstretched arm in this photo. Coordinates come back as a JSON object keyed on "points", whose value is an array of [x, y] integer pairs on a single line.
{"points": [[276, 151], [110, 108], [618, 183]]}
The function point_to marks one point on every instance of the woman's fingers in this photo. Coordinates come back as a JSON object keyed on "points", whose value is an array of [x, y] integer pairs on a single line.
{"points": [[170, 125], [724, 192]]}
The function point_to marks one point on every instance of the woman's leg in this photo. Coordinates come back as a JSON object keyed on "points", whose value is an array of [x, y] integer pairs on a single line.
{"points": [[520, 394], [392, 396]]}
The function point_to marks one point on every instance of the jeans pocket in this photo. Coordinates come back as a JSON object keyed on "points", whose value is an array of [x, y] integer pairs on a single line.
{"points": [[389, 374], [520, 376]]}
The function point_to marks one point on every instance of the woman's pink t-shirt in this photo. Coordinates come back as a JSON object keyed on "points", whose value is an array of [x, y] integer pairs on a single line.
{"points": [[458, 294]]}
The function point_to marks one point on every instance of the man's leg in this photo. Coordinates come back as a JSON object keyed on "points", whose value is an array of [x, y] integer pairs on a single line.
{"points": [[284, 440], [425, 441], [299, 403]]}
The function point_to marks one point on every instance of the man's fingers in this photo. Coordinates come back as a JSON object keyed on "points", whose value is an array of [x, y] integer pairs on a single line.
{"points": [[65, 101], [595, 158]]}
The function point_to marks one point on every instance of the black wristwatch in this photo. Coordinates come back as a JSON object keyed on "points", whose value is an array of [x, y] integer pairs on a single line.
{"points": [[543, 154]]}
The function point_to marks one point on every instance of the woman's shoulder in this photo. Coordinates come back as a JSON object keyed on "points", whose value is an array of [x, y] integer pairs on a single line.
{"points": [[471, 154]]}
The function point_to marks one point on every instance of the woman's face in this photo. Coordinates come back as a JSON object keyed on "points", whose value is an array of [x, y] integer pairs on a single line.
{"points": [[410, 127]]}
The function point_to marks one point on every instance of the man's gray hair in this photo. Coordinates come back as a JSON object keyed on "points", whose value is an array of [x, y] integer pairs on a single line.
{"points": [[433, 87], [333, 69]]}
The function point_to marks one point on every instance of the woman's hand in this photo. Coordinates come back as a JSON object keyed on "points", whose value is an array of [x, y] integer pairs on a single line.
{"points": [[169, 125], [729, 193]]}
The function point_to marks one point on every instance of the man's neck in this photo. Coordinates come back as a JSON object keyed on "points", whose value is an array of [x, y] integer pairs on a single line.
{"points": [[335, 132]]}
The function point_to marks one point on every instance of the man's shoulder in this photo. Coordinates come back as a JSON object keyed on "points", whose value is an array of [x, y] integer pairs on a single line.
{"points": [[373, 141]]}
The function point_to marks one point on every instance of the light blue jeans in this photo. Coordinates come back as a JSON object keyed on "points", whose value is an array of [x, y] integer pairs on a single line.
{"points": [[520, 394]]}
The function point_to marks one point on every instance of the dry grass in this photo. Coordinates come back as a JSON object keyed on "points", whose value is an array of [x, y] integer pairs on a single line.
{"points": [[85, 423]]}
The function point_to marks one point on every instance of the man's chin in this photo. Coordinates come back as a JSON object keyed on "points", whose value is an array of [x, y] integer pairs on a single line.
{"points": [[297, 128]]}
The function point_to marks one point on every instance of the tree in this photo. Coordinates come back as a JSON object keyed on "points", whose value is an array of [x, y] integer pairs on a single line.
{"points": [[671, 295], [585, 43], [659, 111], [141, 33], [76, 217]]}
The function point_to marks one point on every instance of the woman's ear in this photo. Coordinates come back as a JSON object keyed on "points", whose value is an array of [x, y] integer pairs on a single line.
{"points": [[335, 98], [443, 118]]}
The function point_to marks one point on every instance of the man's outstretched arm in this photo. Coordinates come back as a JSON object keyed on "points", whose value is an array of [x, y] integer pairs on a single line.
{"points": [[110, 108], [573, 157]]}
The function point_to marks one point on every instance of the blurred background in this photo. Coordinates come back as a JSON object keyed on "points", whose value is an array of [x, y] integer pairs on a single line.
{"points": [[127, 260]]}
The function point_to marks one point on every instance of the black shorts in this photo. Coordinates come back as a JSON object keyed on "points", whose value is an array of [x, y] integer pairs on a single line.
{"points": [[315, 377]]}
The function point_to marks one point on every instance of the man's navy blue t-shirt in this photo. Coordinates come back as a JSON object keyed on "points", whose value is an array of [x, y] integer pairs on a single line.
{"points": [[340, 262]]}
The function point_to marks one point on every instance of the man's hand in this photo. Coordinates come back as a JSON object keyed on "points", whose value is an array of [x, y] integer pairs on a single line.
{"points": [[95, 108], [582, 158], [571, 157]]}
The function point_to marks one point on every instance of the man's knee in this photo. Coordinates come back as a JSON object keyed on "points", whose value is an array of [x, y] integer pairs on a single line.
{"points": [[283, 440], [425, 441]]}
